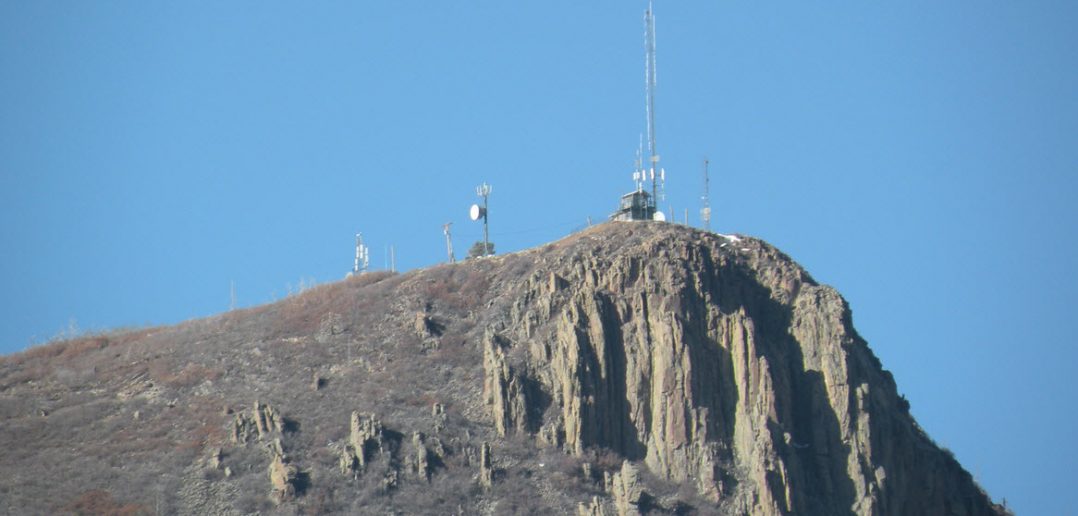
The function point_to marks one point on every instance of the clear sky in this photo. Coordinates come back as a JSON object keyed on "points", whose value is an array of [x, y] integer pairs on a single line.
{"points": [[921, 157]]}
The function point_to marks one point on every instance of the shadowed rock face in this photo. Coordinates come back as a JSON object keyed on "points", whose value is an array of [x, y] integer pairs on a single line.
{"points": [[629, 368]]}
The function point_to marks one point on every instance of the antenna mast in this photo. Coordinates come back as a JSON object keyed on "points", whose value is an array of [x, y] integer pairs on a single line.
{"points": [[363, 256], [483, 191], [449, 242], [705, 212], [656, 173]]}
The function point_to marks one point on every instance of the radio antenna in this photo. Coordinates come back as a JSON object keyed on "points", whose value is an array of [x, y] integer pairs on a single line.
{"points": [[449, 242], [363, 256], [658, 176], [477, 211], [705, 212]]}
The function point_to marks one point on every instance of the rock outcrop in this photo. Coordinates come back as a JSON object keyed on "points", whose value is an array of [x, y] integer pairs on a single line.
{"points": [[283, 479], [486, 466], [261, 422], [366, 440], [714, 361]]}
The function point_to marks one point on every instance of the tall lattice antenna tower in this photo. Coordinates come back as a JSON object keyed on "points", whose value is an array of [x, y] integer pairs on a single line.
{"points": [[705, 212], [657, 174]]}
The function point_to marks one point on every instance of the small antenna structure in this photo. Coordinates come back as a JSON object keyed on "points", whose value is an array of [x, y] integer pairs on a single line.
{"points": [[657, 174], [449, 242], [639, 173], [478, 211], [363, 256], [705, 212]]}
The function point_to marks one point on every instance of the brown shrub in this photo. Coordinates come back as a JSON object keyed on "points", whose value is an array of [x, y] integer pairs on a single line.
{"points": [[99, 502]]}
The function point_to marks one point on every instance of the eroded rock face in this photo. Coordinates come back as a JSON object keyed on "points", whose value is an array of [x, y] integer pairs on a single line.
{"points": [[262, 421], [366, 439], [283, 478], [716, 362], [486, 466]]}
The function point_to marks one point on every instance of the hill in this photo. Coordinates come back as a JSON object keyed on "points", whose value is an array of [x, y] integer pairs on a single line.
{"points": [[630, 368]]}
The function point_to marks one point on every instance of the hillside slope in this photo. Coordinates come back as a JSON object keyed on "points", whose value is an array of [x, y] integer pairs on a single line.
{"points": [[633, 367]]}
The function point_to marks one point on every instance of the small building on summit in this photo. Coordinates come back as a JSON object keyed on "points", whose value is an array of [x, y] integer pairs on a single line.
{"points": [[636, 205]]}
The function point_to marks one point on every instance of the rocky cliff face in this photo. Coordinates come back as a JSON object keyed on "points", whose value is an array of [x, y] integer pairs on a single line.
{"points": [[719, 363], [635, 367]]}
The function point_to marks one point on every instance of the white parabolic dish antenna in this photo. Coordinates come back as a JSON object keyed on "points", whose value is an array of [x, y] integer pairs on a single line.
{"points": [[476, 212], [659, 216]]}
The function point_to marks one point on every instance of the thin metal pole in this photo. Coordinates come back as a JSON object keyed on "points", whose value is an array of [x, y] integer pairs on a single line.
{"points": [[449, 242]]}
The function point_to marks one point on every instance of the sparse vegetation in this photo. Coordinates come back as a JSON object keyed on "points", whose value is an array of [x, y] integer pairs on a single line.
{"points": [[142, 421], [477, 250]]}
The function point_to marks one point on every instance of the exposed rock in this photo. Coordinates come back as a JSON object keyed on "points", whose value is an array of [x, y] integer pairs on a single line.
{"points": [[283, 478], [729, 381], [624, 487], [390, 480], [421, 461], [215, 458], [267, 419], [437, 413], [331, 325], [242, 428], [486, 467], [595, 508], [503, 388], [262, 421], [722, 366], [366, 439], [428, 329]]}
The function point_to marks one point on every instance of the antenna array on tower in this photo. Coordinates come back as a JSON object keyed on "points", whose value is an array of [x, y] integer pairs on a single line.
{"points": [[363, 256], [477, 211]]}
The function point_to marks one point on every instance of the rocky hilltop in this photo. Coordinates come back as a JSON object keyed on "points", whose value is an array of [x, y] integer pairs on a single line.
{"points": [[632, 368]]}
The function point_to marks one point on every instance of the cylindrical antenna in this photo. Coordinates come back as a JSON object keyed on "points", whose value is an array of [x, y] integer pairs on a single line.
{"points": [[449, 242], [705, 212], [363, 256]]}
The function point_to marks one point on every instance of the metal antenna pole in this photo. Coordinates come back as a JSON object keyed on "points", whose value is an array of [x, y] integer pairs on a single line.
{"points": [[449, 242], [705, 212], [483, 191], [363, 256], [649, 70], [392, 258]]}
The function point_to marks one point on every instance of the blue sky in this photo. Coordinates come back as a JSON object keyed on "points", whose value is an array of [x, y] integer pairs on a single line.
{"points": [[921, 157]]}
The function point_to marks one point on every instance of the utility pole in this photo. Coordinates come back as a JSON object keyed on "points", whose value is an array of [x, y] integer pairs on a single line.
{"points": [[449, 242]]}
